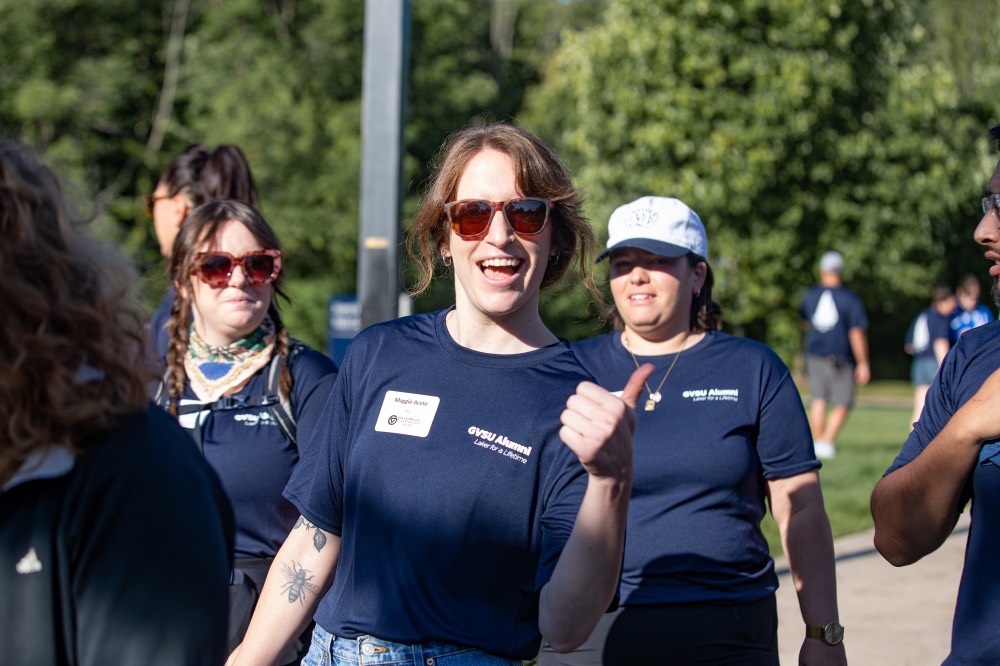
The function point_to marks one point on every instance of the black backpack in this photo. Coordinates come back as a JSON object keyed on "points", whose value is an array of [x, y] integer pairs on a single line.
{"points": [[279, 408]]}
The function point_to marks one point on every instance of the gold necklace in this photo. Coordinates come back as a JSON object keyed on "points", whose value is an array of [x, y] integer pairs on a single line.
{"points": [[654, 396]]}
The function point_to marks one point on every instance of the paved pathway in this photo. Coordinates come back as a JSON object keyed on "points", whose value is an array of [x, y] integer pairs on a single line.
{"points": [[892, 616]]}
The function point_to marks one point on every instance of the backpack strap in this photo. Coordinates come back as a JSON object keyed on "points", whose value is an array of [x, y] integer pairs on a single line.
{"points": [[280, 408], [283, 410]]}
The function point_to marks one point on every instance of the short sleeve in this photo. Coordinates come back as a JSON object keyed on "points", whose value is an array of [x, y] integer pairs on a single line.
{"points": [[857, 317], [784, 441], [314, 375], [563, 496], [316, 486]]}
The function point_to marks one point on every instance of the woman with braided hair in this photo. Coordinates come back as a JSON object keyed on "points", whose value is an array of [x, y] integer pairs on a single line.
{"points": [[247, 391], [195, 176]]}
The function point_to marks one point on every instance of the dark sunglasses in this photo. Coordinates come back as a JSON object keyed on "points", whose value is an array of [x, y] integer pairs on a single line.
{"points": [[216, 268], [991, 200], [470, 218], [151, 200]]}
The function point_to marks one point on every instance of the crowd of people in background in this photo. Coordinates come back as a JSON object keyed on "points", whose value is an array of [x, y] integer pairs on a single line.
{"points": [[199, 486]]}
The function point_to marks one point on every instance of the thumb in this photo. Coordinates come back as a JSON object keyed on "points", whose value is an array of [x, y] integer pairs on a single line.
{"points": [[632, 390]]}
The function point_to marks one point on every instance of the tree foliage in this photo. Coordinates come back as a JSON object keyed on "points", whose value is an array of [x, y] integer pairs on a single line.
{"points": [[792, 127]]}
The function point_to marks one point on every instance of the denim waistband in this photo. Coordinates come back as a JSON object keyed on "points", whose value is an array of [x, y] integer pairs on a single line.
{"points": [[369, 650]]}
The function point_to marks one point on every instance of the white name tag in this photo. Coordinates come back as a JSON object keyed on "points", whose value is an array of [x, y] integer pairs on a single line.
{"points": [[407, 413]]}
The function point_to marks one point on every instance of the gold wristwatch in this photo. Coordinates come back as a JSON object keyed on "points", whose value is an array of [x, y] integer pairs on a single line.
{"points": [[831, 633]]}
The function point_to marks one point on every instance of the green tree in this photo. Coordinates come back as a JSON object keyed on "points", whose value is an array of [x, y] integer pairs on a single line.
{"points": [[792, 127]]}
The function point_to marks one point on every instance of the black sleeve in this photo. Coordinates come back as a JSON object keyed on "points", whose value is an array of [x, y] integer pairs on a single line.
{"points": [[150, 540]]}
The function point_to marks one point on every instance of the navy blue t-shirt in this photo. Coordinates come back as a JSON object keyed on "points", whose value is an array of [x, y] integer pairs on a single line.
{"points": [[966, 320], [831, 313], [254, 458], [926, 327], [442, 471], [729, 419], [975, 357], [159, 338]]}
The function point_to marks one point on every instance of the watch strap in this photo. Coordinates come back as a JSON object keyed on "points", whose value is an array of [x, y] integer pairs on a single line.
{"points": [[815, 632], [831, 633]]}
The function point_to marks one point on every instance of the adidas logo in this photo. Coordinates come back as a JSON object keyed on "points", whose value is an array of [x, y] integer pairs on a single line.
{"points": [[29, 563]]}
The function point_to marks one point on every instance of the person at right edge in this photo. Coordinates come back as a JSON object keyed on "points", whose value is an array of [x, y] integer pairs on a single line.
{"points": [[720, 431], [952, 457], [836, 351]]}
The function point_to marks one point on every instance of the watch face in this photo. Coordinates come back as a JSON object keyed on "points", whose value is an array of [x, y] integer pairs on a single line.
{"points": [[833, 633]]}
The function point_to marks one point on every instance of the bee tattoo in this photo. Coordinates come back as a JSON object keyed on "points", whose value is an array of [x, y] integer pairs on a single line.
{"points": [[319, 538], [297, 583]]}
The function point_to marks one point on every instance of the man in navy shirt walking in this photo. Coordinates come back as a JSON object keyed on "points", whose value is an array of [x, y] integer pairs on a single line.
{"points": [[836, 351]]}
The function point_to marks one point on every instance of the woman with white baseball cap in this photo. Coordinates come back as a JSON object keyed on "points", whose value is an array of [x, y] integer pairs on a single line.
{"points": [[720, 429]]}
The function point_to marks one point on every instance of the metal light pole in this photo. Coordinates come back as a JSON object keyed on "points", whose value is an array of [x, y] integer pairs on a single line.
{"points": [[386, 71]]}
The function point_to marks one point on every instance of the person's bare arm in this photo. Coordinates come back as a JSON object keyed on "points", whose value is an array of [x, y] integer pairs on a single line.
{"points": [[598, 427], [858, 337], [916, 506], [797, 507], [941, 347], [300, 575]]}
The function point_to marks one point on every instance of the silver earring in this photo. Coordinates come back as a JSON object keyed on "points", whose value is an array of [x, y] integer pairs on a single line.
{"points": [[553, 259], [446, 259]]}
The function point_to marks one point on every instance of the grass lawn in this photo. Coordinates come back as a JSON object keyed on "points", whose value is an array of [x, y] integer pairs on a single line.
{"points": [[870, 440]]}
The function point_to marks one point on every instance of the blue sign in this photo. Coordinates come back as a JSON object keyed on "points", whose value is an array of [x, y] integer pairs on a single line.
{"points": [[343, 323]]}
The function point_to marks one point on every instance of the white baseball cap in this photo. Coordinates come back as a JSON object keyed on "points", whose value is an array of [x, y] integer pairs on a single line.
{"points": [[661, 225], [832, 262]]}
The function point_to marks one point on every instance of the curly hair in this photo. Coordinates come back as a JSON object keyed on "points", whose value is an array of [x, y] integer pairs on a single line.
{"points": [[204, 226], [202, 174], [539, 172], [706, 314], [72, 357]]}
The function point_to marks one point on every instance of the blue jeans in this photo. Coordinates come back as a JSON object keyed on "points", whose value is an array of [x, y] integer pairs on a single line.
{"points": [[327, 650]]}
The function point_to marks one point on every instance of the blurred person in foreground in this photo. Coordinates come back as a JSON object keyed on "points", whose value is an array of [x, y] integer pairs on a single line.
{"points": [[836, 351], [952, 458], [195, 176], [720, 434], [928, 341], [248, 393], [970, 312], [466, 491], [115, 535]]}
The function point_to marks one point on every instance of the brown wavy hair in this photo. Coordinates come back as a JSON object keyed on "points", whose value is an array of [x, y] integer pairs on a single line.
{"points": [[204, 225], [706, 314], [72, 356], [539, 173]]}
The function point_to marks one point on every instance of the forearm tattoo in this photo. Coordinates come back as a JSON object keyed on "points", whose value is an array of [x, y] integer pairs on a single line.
{"points": [[319, 538], [297, 583]]}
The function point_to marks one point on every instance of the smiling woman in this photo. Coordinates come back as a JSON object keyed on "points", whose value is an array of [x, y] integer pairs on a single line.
{"points": [[467, 476], [722, 428]]}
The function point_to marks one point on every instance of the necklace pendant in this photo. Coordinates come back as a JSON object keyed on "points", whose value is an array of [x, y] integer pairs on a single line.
{"points": [[655, 397], [650, 405]]}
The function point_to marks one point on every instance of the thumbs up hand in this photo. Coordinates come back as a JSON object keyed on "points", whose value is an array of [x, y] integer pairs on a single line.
{"points": [[598, 426]]}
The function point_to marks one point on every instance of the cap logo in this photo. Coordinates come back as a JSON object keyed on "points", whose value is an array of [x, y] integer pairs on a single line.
{"points": [[642, 217]]}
